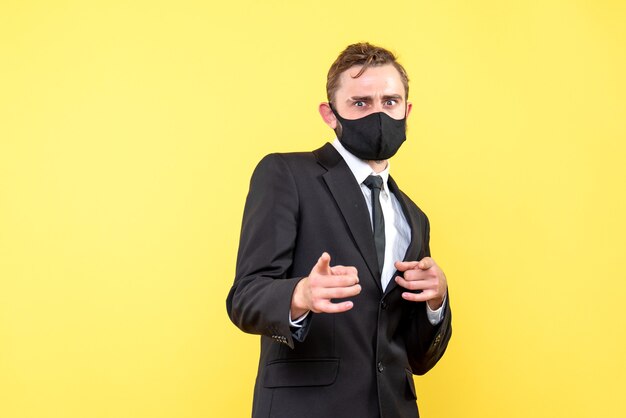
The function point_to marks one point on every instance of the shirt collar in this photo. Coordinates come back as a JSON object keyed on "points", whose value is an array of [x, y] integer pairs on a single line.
{"points": [[360, 168]]}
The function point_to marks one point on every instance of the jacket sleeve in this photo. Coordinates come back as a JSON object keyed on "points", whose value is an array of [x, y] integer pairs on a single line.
{"points": [[426, 343], [260, 298]]}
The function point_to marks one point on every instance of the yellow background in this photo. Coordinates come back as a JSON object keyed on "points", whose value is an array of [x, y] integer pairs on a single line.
{"points": [[128, 133]]}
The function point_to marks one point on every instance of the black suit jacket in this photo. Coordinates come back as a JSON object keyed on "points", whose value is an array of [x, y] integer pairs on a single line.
{"points": [[353, 364]]}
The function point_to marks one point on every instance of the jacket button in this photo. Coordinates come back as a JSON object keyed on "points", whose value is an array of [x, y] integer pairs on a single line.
{"points": [[383, 305], [380, 367]]}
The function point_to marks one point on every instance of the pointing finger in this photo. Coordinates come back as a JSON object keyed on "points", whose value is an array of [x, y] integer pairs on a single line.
{"points": [[323, 265], [406, 265]]}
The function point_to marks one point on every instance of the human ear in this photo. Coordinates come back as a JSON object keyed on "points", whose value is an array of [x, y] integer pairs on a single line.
{"points": [[327, 115], [409, 106]]}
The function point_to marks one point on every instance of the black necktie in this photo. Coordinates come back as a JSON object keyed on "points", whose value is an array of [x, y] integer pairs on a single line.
{"points": [[375, 184]]}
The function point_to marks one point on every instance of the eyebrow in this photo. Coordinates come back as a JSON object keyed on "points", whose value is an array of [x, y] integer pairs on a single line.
{"points": [[369, 98]]}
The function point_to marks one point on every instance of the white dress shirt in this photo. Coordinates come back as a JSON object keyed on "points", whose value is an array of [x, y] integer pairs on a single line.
{"points": [[397, 229]]}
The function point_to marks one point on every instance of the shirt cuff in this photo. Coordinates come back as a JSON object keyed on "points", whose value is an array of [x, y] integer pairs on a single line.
{"points": [[298, 323], [436, 316]]}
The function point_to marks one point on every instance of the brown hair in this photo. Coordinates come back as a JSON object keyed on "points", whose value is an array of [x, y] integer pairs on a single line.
{"points": [[364, 54]]}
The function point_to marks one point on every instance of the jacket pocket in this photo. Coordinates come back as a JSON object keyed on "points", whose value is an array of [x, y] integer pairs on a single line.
{"points": [[309, 372], [411, 385]]}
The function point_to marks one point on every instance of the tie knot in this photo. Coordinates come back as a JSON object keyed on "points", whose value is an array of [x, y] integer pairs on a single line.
{"points": [[374, 182]]}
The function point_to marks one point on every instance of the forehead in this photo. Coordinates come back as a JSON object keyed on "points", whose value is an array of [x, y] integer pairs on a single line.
{"points": [[375, 81]]}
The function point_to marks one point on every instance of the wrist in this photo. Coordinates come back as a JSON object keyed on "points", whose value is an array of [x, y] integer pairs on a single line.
{"points": [[435, 304], [298, 305]]}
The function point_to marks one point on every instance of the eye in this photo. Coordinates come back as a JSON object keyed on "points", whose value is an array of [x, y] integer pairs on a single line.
{"points": [[391, 102], [359, 103]]}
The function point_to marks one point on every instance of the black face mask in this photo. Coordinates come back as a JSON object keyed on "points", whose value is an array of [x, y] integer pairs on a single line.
{"points": [[374, 137]]}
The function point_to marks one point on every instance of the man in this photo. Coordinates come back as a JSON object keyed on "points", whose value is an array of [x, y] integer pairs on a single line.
{"points": [[334, 269]]}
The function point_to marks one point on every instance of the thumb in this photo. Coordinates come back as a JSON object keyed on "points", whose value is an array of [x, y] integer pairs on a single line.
{"points": [[425, 263], [323, 264]]}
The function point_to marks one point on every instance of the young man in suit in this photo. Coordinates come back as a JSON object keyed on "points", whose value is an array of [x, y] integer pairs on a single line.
{"points": [[334, 268]]}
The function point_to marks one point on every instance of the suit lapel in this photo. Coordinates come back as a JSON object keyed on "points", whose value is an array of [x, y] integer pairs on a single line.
{"points": [[347, 193], [417, 233]]}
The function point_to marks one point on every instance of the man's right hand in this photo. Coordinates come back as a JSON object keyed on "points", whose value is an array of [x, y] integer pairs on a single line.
{"points": [[314, 293]]}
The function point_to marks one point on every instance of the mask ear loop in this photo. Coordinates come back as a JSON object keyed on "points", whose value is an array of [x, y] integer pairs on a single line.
{"points": [[337, 115], [339, 118]]}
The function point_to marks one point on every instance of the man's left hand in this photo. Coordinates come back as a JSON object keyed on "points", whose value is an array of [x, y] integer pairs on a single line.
{"points": [[424, 275]]}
